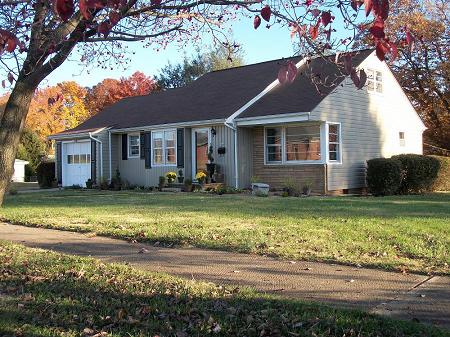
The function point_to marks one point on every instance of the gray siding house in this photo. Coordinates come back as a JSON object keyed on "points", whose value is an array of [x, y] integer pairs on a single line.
{"points": [[318, 133]]}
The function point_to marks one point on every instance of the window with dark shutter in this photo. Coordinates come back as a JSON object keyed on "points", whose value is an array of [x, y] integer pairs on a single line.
{"points": [[148, 150], [93, 161], [180, 148], [124, 146], [59, 162]]}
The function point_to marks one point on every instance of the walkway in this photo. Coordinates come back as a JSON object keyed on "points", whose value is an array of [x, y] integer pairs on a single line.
{"points": [[405, 296]]}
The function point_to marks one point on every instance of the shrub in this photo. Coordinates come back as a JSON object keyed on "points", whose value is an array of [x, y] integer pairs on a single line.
{"points": [[162, 182], [442, 182], [418, 173], [45, 172], [384, 176], [188, 185]]}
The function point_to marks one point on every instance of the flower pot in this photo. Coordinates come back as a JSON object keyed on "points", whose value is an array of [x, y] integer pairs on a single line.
{"points": [[211, 168], [180, 180]]}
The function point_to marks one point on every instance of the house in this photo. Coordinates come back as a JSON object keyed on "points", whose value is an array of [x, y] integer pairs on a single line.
{"points": [[255, 126], [19, 170]]}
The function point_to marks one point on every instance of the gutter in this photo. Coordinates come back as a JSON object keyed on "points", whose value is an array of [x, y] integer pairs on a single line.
{"points": [[110, 155], [230, 122]]}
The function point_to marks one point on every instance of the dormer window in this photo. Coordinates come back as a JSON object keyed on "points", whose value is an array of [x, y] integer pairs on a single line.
{"points": [[374, 81]]}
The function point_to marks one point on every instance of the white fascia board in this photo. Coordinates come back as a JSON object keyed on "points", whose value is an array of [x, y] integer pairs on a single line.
{"points": [[230, 120], [273, 119], [168, 126], [75, 135]]}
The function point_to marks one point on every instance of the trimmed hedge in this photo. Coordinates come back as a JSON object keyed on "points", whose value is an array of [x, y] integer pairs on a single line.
{"points": [[384, 176], [45, 172], [419, 173], [442, 182]]}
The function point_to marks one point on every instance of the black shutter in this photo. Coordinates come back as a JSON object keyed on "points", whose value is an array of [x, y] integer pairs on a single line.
{"points": [[141, 144], [59, 162], [148, 150], [180, 148], [124, 146], [93, 161]]}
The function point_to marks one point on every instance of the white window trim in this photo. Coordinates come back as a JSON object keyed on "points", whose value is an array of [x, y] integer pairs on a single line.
{"points": [[283, 146], [163, 131], [374, 91], [327, 143], [129, 135]]}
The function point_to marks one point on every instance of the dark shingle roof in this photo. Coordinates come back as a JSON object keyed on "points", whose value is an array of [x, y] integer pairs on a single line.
{"points": [[217, 95]]}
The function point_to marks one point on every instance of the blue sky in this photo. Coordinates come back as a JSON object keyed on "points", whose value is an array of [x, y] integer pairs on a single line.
{"points": [[258, 45]]}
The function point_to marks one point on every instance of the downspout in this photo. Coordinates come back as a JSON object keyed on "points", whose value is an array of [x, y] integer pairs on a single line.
{"points": [[101, 154], [110, 155]]}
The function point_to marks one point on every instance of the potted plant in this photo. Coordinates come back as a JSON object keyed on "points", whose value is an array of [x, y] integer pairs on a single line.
{"points": [[89, 183], [289, 186], [162, 182], [201, 177], [210, 166], [307, 187], [188, 185], [217, 176], [116, 182], [171, 177], [180, 176]]}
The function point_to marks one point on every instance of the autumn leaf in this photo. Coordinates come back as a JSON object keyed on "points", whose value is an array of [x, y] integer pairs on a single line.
{"points": [[256, 21], [314, 30], [156, 2], [291, 71], [266, 12], [362, 78], [326, 18], [377, 29], [381, 50], [368, 6], [282, 74], [64, 9], [10, 78]]}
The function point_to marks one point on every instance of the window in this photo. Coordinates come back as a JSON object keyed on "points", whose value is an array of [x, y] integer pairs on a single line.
{"points": [[293, 144], [78, 158], [164, 148], [69, 159], [334, 139], [303, 143], [401, 137], [273, 145], [134, 148], [374, 81]]}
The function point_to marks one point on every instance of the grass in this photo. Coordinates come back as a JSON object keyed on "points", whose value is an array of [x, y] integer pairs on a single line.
{"points": [[396, 233], [48, 294]]}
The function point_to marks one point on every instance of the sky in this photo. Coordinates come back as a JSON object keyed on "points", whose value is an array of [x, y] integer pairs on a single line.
{"points": [[258, 46]]}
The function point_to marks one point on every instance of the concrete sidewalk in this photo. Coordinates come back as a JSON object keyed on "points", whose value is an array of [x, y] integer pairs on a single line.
{"points": [[405, 296]]}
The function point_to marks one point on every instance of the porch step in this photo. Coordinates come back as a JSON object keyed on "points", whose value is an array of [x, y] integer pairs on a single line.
{"points": [[212, 186]]}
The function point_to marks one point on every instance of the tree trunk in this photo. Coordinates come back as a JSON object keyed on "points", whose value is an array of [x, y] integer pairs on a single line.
{"points": [[11, 125]]}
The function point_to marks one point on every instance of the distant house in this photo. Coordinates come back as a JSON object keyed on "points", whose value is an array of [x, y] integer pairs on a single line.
{"points": [[19, 170], [254, 125]]}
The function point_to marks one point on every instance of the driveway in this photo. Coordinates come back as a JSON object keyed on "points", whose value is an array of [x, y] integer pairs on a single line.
{"points": [[404, 296]]}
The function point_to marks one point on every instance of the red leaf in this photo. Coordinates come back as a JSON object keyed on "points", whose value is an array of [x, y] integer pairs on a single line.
{"points": [[8, 41], [314, 30], [291, 71], [156, 2], [64, 8], [3, 84], [84, 9], [377, 29], [355, 78], [266, 12], [362, 78], [348, 63], [10, 78], [114, 18], [368, 6], [326, 18], [282, 74], [103, 29], [382, 9], [355, 4], [381, 50], [394, 51], [410, 39], [256, 22], [87, 5], [315, 12]]}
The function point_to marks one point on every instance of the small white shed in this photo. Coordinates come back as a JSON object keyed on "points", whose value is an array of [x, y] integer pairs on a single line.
{"points": [[19, 170]]}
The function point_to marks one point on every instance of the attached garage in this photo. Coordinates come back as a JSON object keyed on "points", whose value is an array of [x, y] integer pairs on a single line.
{"points": [[76, 162]]}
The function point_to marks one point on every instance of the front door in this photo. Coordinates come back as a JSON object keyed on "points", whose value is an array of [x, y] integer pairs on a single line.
{"points": [[200, 146]]}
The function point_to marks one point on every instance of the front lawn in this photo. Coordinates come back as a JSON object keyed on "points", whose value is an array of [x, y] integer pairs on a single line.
{"points": [[409, 233], [49, 294]]}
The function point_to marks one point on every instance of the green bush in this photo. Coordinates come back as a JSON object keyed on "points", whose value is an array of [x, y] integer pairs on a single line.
{"points": [[442, 182], [384, 176], [418, 173], [45, 172]]}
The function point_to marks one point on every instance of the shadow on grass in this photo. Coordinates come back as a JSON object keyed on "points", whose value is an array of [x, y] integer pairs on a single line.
{"points": [[118, 301]]}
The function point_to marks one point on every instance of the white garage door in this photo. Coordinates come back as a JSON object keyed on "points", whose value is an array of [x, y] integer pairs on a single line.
{"points": [[76, 163]]}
